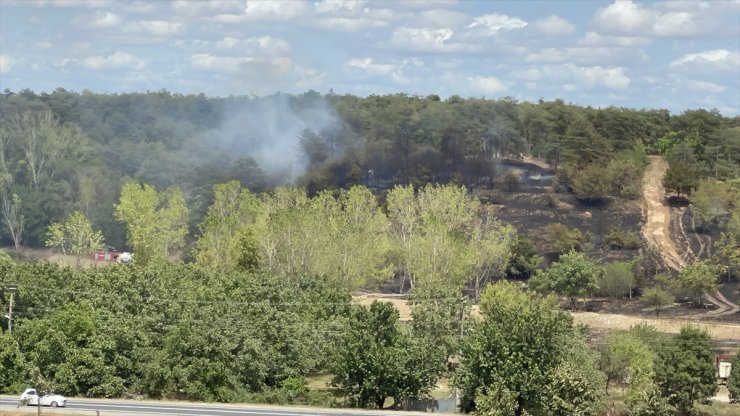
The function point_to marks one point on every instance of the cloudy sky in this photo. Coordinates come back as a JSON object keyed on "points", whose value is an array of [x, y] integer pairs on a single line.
{"points": [[674, 55]]}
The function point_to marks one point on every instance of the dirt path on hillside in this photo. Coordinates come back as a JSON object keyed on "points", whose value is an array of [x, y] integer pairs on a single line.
{"points": [[657, 232]]}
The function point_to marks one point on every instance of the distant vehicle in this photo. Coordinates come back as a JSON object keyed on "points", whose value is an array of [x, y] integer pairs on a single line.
{"points": [[30, 397], [125, 258], [107, 254]]}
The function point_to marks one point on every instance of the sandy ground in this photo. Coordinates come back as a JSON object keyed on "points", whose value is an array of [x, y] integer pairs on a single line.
{"points": [[657, 231]]}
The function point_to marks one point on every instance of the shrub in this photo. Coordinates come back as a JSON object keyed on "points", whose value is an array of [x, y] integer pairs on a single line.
{"points": [[622, 239]]}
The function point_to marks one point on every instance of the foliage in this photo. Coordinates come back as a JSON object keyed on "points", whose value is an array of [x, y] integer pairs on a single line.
{"points": [[698, 278], [518, 343], [524, 259], [166, 330], [344, 237], [682, 175], [224, 228], [685, 369], [733, 381], [560, 239], [650, 403], [156, 222], [617, 280], [625, 358], [622, 239], [75, 236], [495, 400], [576, 383], [657, 298], [12, 363], [713, 201], [379, 359], [572, 276], [438, 314], [88, 142], [442, 235]]}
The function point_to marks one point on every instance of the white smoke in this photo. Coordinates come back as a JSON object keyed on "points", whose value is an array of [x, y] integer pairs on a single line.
{"points": [[269, 129]]}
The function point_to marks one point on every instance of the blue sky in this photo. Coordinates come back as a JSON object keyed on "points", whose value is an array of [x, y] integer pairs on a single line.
{"points": [[674, 55]]}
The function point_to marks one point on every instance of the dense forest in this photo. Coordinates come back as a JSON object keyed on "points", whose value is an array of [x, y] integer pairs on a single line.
{"points": [[254, 220], [64, 152]]}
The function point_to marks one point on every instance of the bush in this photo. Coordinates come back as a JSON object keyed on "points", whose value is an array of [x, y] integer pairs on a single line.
{"points": [[650, 403], [622, 239], [733, 382], [561, 239]]}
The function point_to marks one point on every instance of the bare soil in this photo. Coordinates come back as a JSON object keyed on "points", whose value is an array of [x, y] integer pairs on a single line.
{"points": [[664, 226]]}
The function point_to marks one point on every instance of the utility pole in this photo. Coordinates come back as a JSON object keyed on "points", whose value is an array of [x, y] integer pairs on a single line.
{"points": [[12, 289]]}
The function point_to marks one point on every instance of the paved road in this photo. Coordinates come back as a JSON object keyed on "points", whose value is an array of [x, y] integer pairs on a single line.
{"points": [[83, 406]]}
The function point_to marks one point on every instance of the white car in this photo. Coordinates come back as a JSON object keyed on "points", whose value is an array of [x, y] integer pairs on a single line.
{"points": [[31, 398]]}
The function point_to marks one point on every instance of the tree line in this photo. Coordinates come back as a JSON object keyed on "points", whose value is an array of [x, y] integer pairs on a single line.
{"points": [[63, 151], [182, 331]]}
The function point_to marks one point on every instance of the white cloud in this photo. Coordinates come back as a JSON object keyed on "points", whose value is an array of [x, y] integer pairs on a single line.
{"points": [[71, 3], [608, 77], [118, 60], [154, 27], [495, 23], [6, 64], [346, 24], [623, 16], [668, 19], [441, 18], [218, 63], [488, 85], [137, 6], [340, 6], [595, 39], [367, 66], [712, 60], [586, 55], [554, 25], [275, 9], [681, 83], [587, 76], [427, 40], [199, 8], [396, 71], [264, 45], [104, 20], [675, 24]]}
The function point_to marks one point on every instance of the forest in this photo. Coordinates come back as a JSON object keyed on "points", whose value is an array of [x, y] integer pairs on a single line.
{"points": [[254, 220], [64, 151]]}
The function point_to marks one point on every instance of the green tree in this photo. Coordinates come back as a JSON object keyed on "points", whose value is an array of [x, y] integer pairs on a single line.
{"points": [[685, 369], [712, 200], [13, 219], [232, 211], [561, 239], [733, 381], [617, 280], [657, 298], [698, 278], [572, 276], [12, 364], [518, 343], [625, 355], [683, 173], [650, 403], [377, 359], [575, 386], [75, 236], [443, 236], [524, 259], [156, 222]]}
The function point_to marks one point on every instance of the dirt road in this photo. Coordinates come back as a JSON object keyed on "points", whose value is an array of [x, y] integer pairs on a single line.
{"points": [[657, 231]]}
